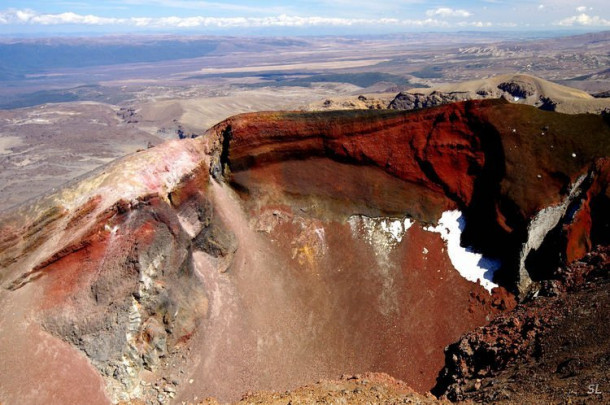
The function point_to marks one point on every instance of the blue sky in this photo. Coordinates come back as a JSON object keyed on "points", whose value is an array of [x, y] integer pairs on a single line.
{"points": [[295, 17]]}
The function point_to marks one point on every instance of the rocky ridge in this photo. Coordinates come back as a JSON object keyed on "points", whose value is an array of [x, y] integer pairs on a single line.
{"points": [[518, 88], [514, 88]]}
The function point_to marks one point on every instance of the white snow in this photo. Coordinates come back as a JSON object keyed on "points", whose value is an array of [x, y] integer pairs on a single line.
{"points": [[472, 266], [384, 234], [383, 231], [396, 228]]}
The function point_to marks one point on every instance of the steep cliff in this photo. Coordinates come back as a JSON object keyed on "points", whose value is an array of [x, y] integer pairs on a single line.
{"points": [[512, 170]]}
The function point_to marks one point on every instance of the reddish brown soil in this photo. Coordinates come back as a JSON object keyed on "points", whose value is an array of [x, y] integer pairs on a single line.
{"points": [[361, 389], [552, 349]]}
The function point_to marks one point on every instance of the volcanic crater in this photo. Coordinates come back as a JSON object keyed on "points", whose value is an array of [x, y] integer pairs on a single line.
{"points": [[282, 248]]}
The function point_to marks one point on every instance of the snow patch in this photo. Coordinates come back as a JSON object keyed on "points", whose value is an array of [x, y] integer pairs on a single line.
{"points": [[471, 265], [381, 232]]}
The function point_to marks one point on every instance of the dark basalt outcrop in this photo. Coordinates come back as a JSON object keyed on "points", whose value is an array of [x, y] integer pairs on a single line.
{"points": [[211, 266], [518, 88], [416, 101]]}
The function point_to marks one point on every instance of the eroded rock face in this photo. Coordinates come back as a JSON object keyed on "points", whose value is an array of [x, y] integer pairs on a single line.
{"points": [[507, 166], [518, 88], [210, 267], [107, 267], [426, 150], [141, 297]]}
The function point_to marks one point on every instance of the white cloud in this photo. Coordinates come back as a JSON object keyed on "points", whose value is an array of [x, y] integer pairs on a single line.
{"points": [[30, 17], [71, 18], [581, 9], [447, 12], [27, 16], [584, 20], [429, 22], [475, 24]]}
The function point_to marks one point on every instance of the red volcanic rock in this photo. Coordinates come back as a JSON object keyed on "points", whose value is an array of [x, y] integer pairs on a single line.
{"points": [[502, 300], [444, 149], [578, 232], [436, 149], [502, 164], [213, 266]]}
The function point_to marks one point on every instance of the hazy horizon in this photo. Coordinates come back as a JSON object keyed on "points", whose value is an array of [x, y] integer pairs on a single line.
{"points": [[319, 17]]}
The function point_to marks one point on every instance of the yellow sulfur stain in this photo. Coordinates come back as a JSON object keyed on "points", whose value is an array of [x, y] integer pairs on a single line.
{"points": [[305, 255]]}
